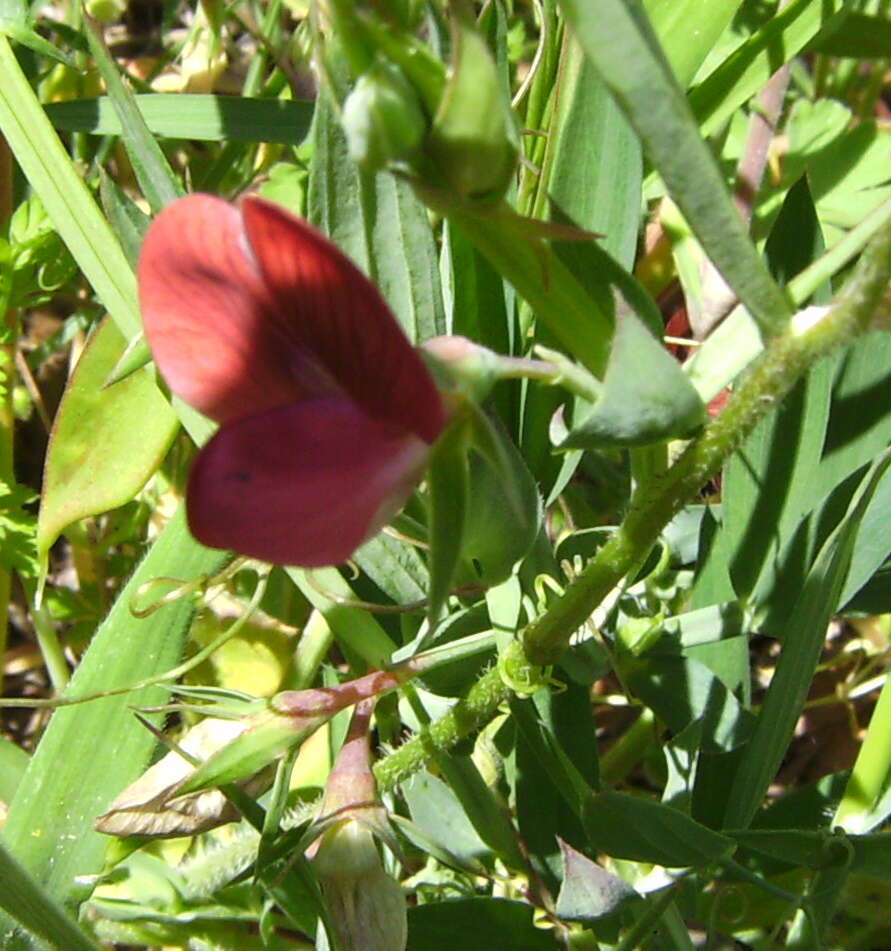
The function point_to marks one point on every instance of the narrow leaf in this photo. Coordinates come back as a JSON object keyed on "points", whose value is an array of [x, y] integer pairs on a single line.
{"points": [[614, 33], [192, 116], [802, 642], [91, 751], [155, 177], [35, 910], [628, 827]]}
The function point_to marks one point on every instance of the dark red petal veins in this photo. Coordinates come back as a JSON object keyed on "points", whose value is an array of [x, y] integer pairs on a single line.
{"points": [[335, 313], [206, 312], [302, 485]]}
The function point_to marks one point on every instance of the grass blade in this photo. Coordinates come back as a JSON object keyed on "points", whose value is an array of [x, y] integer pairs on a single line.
{"points": [[198, 117], [614, 33], [93, 750], [22, 897], [802, 643], [155, 177]]}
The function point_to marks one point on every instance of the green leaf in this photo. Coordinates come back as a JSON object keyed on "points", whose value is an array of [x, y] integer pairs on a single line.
{"points": [[803, 636], [395, 567], [13, 763], [23, 898], [436, 810], [858, 35], [681, 691], [129, 221], [646, 395], [156, 179], [745, 72], [770, 482], [628, 827], [380, 224], [91, 751], [476, 924], [687, 49], [588, 892], [105, 443], [503, 521], [556, 768], [614, 33], [72, 210], [194, 116], [447, 479], [595, 162]]}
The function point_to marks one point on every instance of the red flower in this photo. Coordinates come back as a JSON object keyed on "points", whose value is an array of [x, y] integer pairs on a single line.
{"points": [[327, 412]]}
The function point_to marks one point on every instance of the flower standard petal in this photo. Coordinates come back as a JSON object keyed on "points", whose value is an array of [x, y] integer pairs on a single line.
{"points": [[303, 484], [206, 312], [338, 315]]}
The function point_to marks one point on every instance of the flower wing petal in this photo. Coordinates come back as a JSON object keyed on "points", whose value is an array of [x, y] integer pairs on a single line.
{"points": [[206, 312], [304, 484], [340, 318]]}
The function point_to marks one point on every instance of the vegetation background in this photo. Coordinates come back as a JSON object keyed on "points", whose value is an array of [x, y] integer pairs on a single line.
{"points": [[652, 597]]}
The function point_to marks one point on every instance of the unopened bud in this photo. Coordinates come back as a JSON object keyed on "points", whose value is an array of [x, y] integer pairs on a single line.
{"points": [[472, 368], [366, 905], [474, 139], [382, 118]]}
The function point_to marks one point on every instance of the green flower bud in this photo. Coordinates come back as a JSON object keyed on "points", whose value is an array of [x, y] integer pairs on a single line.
{"points": [[474, 140], [366, 906], [382, 118]]}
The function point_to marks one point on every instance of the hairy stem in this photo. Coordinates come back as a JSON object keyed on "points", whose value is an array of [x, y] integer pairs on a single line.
{"points": [[657, 502]]}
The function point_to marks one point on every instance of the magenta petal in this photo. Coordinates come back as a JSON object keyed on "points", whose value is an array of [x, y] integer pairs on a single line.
{"points": [[206, 312], [339, 317], [302, 485]]}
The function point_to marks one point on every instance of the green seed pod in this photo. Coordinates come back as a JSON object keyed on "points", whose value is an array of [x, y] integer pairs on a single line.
{"points": [[382, 118]]}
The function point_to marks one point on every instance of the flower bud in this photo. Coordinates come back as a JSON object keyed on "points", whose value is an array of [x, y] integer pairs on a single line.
{"points": [[474, 138], [382, 118], [366, 906]]}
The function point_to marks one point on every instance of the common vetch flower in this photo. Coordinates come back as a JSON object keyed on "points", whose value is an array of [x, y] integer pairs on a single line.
{"points": [[326, 411]]}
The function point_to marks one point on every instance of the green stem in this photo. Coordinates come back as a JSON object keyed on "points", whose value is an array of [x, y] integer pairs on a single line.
{"points": [[8, 322], [653, 506], [628, 750], [51, 649], [656, 503], [468, 715]]}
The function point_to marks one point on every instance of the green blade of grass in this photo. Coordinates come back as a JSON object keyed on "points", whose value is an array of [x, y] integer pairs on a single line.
{"points": [[802, 642], [194, 116], [91, 751], [13, 763], [686, 49], [745, 72], [618, 39], [70, 206], [22, 897], [155, 177]]}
